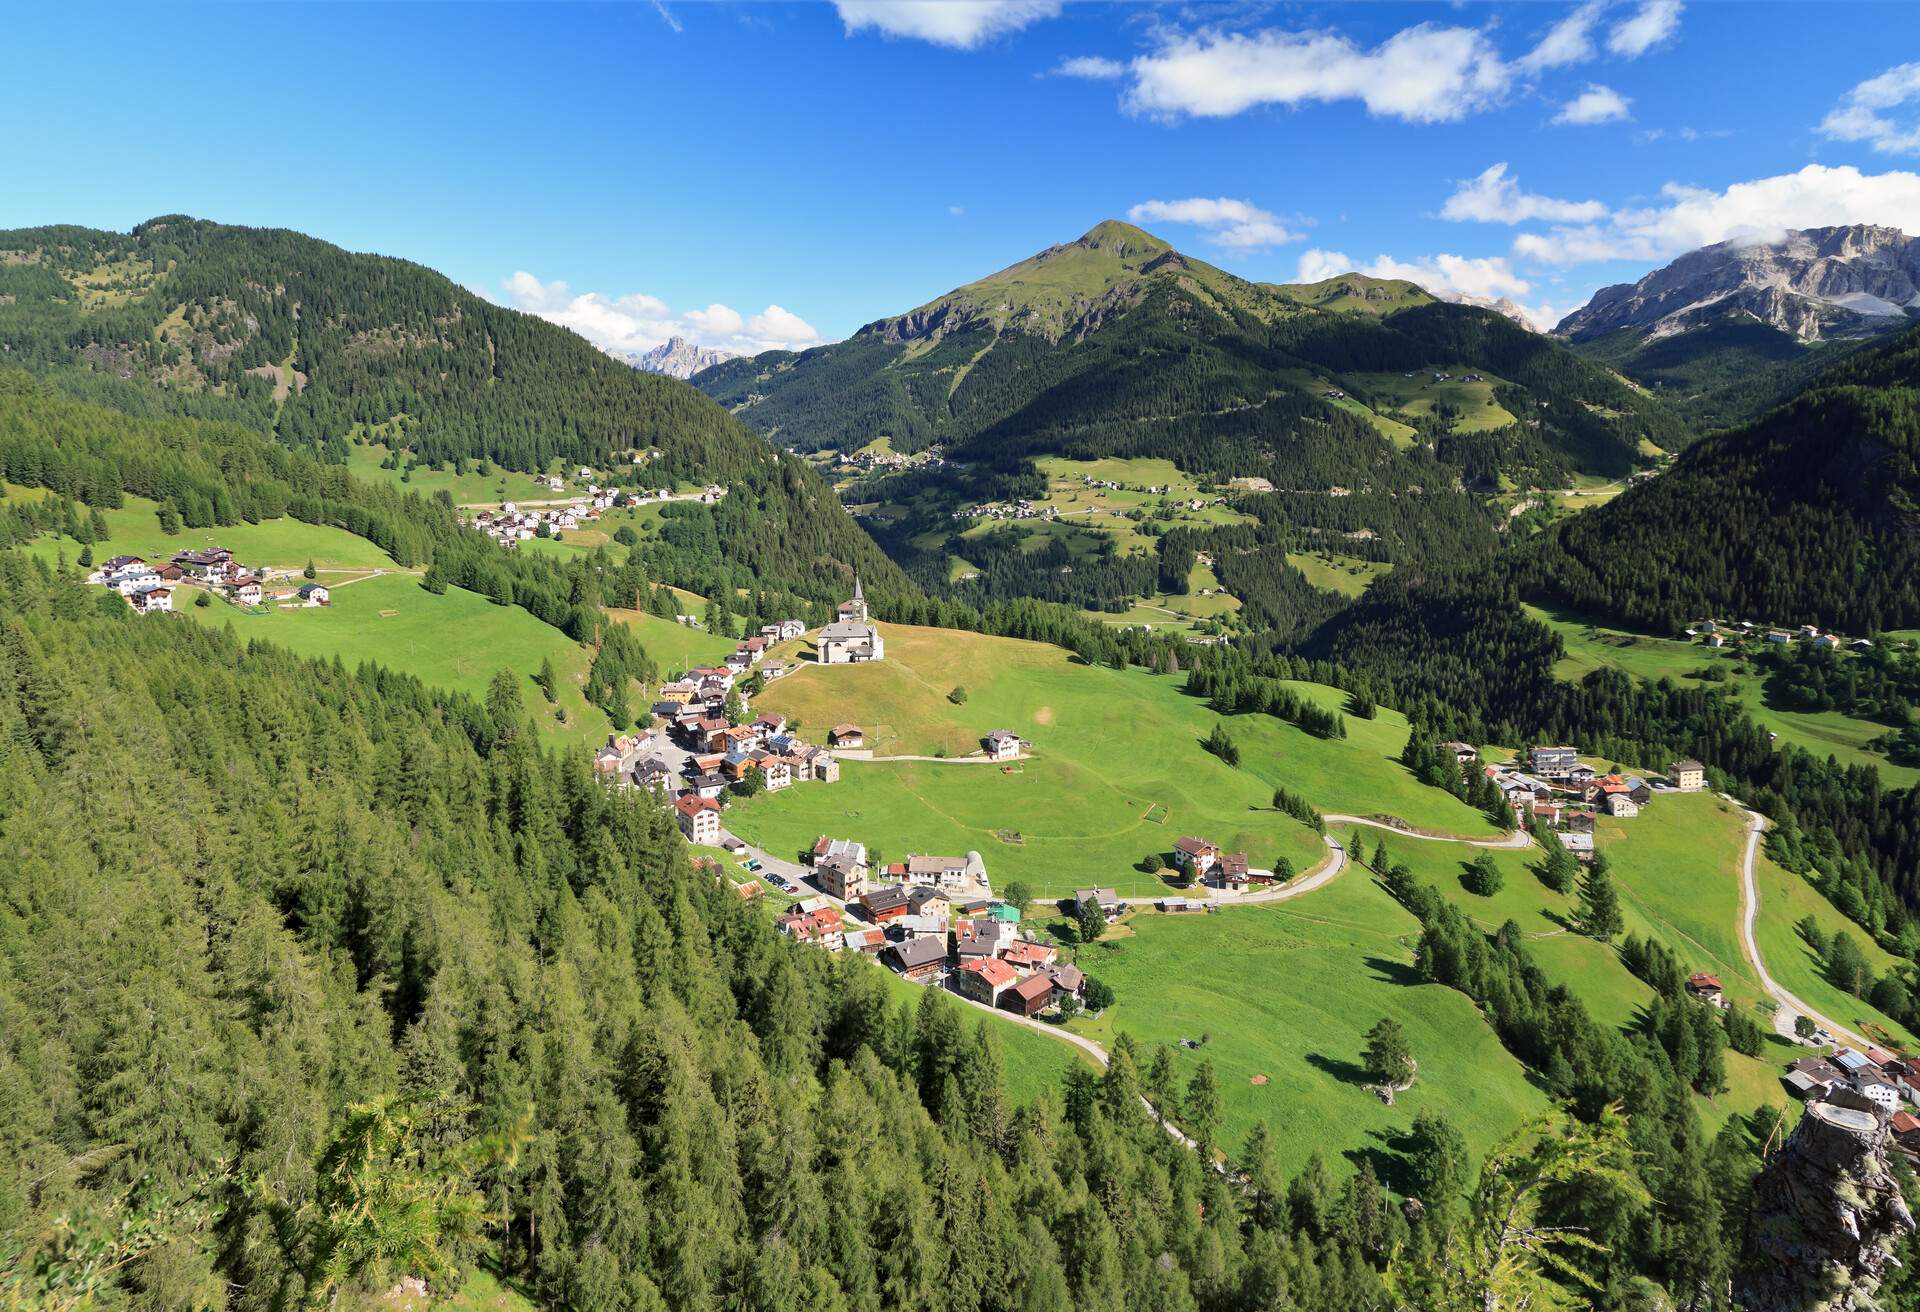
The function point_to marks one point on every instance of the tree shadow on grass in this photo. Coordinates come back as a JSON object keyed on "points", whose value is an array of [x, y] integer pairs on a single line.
{"points": [[1347, 1072], [1394, 972]]}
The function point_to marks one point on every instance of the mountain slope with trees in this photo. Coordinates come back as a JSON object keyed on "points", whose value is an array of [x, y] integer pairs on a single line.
{"points": [[310, 344], [1118, 344], [1806, 515]]}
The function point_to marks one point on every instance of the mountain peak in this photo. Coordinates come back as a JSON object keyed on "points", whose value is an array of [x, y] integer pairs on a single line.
{"points": [[1851, 280], [1122, 239], [677, 358]]}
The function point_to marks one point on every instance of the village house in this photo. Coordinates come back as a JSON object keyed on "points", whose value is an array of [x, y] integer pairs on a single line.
{"points": [[1004, 746], [1024, 955], [314, 594], [869, 939], [1230, 872], [1689, 776], [919, 959], [821, 925], [245, 591], [1813, 1075], [1554, 762], [699, 819], [775, 772], [653, 773], [152, 599], [983, 979], [770, 723], [1105, 898], [1195, 855], [1029, 997], [946, 872], [707, 785], [925, 901], [1706, 988], [846, 735], [840, 867], [884, 903], [1066, 977], [1621, 806]]}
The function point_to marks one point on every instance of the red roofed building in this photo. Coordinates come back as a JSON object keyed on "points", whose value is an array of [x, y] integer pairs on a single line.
{"points": [[1029, 956], [984, 979], [699, 819]]}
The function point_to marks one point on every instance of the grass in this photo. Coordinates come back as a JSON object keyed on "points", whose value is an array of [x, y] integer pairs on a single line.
{"points": [[1785, 899], [1676, 867], [134, 530], [483, 1291], [1358, 775], [675, 647], [1347, 575], [457, 641], [1288, 992], [1420, 395], [1823, 733], [471, 488], [1108, 746]]}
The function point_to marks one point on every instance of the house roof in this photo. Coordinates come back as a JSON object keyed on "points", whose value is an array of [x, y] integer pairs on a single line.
{"points": [[993, 970], [1193, 846], [1034, 987], [1905, 1122], [1701, 980], [1687, 764], [1234, 862], [1106, 897], [690, 805], [918, 952], [844, 730], [883, 899]]}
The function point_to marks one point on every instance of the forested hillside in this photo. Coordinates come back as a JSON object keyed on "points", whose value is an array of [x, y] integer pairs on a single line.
{"points": [[314, 979], [312, 344], [1805, 516]]}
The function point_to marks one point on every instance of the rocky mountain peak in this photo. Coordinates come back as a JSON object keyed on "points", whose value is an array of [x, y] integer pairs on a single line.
{"points": [[1855, 280], [678, 358]]}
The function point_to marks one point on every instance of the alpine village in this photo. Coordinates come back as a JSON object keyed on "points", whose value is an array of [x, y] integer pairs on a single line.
{"points": [[1189, 773]]}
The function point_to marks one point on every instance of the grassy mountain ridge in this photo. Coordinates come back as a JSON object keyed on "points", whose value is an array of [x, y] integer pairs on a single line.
{"points": [[1119, 344], [313, 344]]}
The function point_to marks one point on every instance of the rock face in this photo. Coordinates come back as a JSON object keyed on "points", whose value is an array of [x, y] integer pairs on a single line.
{"points": [[1827, 1214], [1853, 281], [678, 358]]}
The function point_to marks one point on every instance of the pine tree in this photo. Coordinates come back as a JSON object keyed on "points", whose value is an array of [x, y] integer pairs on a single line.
{"points": [[1599, 914]]}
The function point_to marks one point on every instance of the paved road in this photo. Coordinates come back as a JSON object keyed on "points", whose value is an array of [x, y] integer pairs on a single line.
{"points": [[1750, 912], [1322, 875], [1514, 841]]}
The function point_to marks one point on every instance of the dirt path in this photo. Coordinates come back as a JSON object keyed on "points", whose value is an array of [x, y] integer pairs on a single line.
{"points": [[1749, 913], [1514, 841]]}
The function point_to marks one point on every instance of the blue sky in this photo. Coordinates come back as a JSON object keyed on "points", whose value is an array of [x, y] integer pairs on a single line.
{"points": [[762, 174]]}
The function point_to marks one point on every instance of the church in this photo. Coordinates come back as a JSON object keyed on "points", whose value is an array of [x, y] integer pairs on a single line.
{"points": [[852, 637]]}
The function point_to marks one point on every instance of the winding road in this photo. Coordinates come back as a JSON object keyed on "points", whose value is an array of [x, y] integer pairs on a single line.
{"points": [[1750, 912], [1514, 841]]}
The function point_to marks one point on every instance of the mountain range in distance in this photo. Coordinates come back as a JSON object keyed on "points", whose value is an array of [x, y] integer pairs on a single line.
{"points": [[676, 358]]}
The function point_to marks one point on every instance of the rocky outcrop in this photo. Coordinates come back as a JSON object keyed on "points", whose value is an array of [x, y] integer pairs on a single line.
{"points": [[678, 358], [1852, 281], [1827, 1213]]}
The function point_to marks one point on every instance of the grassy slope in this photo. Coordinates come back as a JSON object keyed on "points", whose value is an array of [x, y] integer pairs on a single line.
{"points": [[674, 646], [279, 543], [471, 488], [1289, 992], [456, 641], [1418, 395], [1108, 745], [1346, 575], [1784, 899], [1035, 1062], [1824, 733]]}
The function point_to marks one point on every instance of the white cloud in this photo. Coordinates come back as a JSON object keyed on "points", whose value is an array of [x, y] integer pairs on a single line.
{"points": [[1493, 197], [1092, 67], [958, 24], [1236, 224], [1450, 277], [1858, 116], [1423, 74], [1815, 197], [1569, 41], [957, 211], [1654, 22], [638, 322], [1597, 104]]}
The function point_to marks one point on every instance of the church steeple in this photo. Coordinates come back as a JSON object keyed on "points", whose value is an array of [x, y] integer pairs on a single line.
{"points": [[856, 586]]}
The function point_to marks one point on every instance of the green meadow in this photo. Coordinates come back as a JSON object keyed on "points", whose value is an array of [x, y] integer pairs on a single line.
{"points": [[457, 641], [1420, 395], [674, 647], [471, 488], [1346, 575], [1280, 999], [1823, 733], [1110, 748], [134, 530]]}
